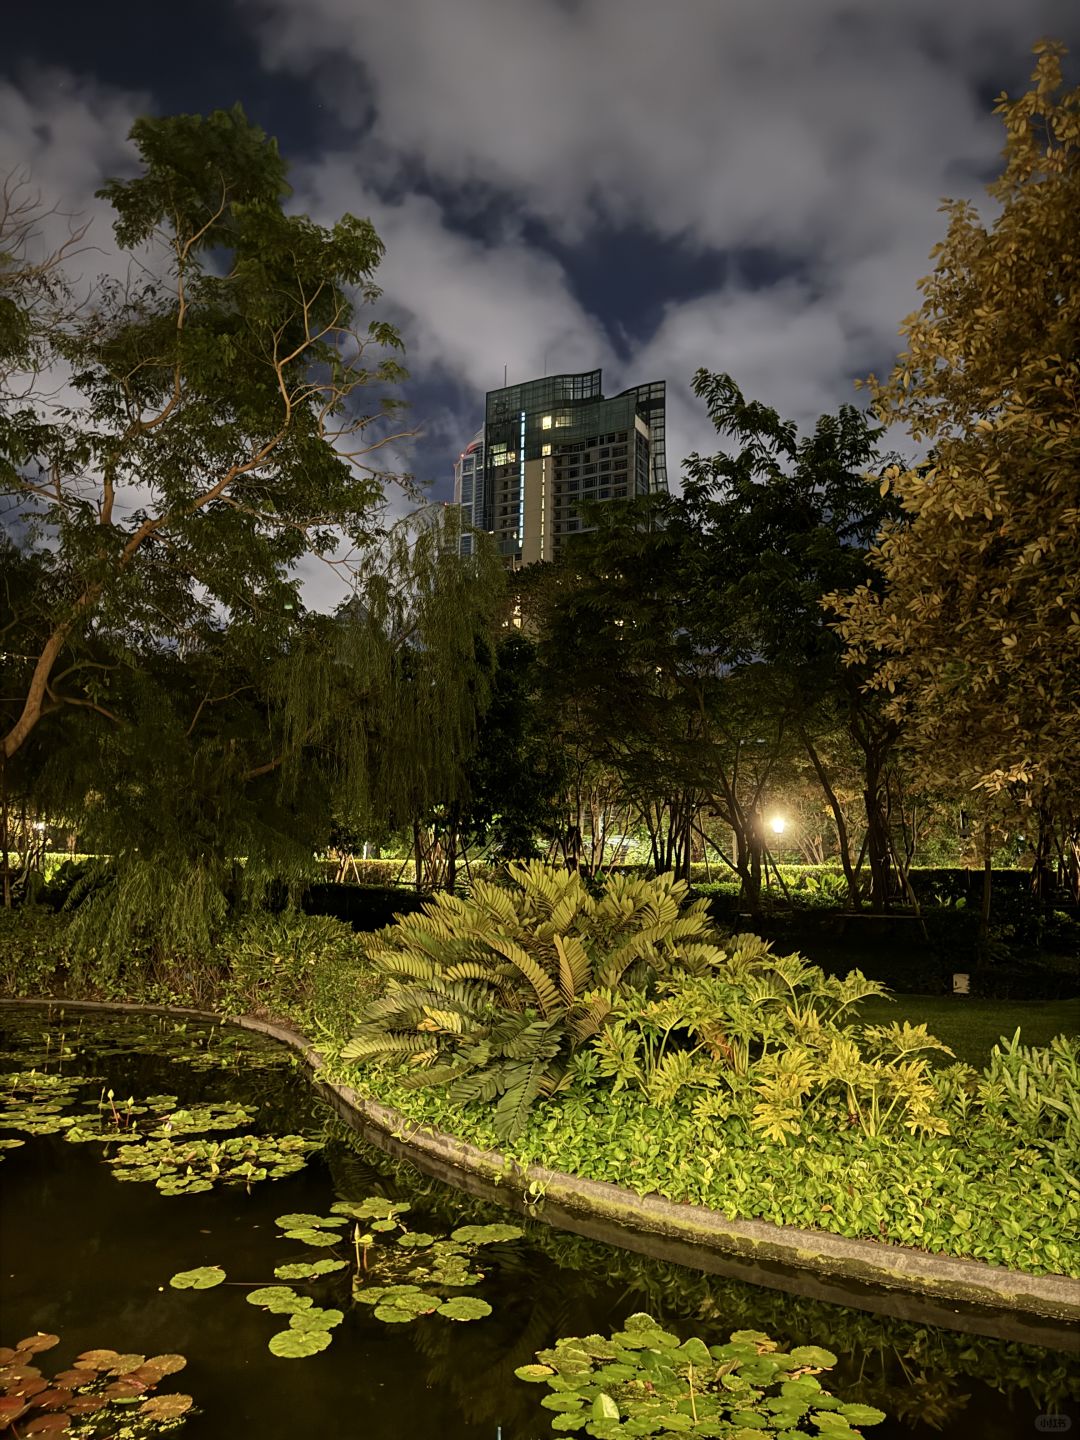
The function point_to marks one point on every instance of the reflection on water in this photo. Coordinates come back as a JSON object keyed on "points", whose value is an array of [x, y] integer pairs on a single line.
{"points": [[89, 1258]]}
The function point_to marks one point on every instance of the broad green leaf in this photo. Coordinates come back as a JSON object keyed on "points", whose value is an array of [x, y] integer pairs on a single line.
{"points": [[205, 1278]]}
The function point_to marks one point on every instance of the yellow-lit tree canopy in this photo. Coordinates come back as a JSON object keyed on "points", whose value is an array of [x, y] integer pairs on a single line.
{"points": [[975, 632]]}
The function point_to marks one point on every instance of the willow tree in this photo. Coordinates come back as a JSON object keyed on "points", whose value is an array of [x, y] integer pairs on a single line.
{"points": [[218, 785], [976, 629], [217, 431], [394, 694]]}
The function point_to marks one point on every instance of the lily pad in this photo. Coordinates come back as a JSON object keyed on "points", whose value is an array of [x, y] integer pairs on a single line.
{"points": [[535, 1374], [309, 1236], [298, 1344], [487, 1234], [416, 1239], [34, 1344], [102, 1359], [46, 1425], [308, 1269], [204, 1278], [125, 1364], [302, 1221], [813, 1355], [375, 1207], [165, 1407], [856, 1414], [644, 1382], [465, 1307], [315, 1318], [164, 1365], [279, 1299]]}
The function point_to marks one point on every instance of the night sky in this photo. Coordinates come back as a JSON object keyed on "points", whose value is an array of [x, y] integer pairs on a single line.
{"points": [[645, 185]]}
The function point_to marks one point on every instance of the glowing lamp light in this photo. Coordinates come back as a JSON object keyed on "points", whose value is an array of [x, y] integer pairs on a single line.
{"points": [[778, 824]]}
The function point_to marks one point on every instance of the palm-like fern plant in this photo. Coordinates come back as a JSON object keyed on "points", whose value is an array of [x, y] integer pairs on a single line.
{"points": [[490, 995]]}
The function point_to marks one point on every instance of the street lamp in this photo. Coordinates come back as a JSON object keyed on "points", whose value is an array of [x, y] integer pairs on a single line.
{"points": [[778, 825]]}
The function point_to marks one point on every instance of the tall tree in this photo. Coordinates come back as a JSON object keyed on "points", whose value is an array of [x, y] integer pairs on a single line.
{"points": [[223, 765], [784, 519], [218, 433], [973, 635]]}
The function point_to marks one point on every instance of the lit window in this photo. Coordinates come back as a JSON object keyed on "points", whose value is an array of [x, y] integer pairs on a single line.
{"points": [[545, 449], [545, 423]]}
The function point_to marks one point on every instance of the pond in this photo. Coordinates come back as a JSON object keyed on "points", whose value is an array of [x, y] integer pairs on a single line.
{"points": [[94, 1231]]}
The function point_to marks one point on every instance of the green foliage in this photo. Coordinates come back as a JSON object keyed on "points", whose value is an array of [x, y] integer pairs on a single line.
{"points": [[310, 968], [491, 995], [1030, 1095], [203, 1278], [643, 1381], [780, 1028], [999, 1189], [190, 1167], [33, 944]]}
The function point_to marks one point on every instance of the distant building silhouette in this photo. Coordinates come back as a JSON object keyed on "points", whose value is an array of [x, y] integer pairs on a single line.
{"points": [[546, 446]]}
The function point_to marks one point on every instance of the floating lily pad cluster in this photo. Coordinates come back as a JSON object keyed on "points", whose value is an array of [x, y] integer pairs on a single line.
{"points": [[422, 1264], [37, 1103], [103, 1393], [158, 1117], [200, 1047], [186, 1167], [401, 1273], [152, 1131], [34, 1102], [644, 1381]]}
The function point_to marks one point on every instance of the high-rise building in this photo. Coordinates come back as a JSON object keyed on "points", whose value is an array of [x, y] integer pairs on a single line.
{"points": [[469, 488], [546, 446]]}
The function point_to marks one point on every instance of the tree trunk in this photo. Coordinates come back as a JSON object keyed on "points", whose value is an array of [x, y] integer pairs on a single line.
{"points": [[878, 844], [418, 856], [4, 831], [987, 894], [1042, 875], [839, 820], [452, 825]]}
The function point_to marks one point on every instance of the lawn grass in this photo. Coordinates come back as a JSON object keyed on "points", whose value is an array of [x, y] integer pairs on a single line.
{"points": [[972, 1026]]}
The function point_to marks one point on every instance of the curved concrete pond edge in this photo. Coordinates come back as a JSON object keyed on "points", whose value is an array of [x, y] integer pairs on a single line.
{"points": [[618, 1215]]}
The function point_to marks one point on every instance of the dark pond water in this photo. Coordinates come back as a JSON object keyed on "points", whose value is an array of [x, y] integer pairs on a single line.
{"points": [[89, 1258]]}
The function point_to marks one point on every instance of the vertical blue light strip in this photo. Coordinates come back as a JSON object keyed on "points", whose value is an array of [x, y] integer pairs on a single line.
{"points": [[521, 484]]}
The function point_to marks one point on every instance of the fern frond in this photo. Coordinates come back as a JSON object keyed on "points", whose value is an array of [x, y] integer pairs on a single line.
{"points": [[521, 1087], [547, 995]]}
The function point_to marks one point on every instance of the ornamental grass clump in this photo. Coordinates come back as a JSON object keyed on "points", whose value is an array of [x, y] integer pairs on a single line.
{"points": [[491, 995]]}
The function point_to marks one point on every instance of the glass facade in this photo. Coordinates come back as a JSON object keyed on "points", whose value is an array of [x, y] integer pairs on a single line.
{"points": [[469, 488], [549, 444]]}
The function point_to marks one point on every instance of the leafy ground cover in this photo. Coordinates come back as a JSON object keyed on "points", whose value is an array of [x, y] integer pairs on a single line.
{"points": [[991, 1198]]}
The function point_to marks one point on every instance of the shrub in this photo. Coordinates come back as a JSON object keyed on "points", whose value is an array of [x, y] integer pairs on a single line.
{"points": [[309, 968], [492, 994], [32, 950], [779, 1031]]}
